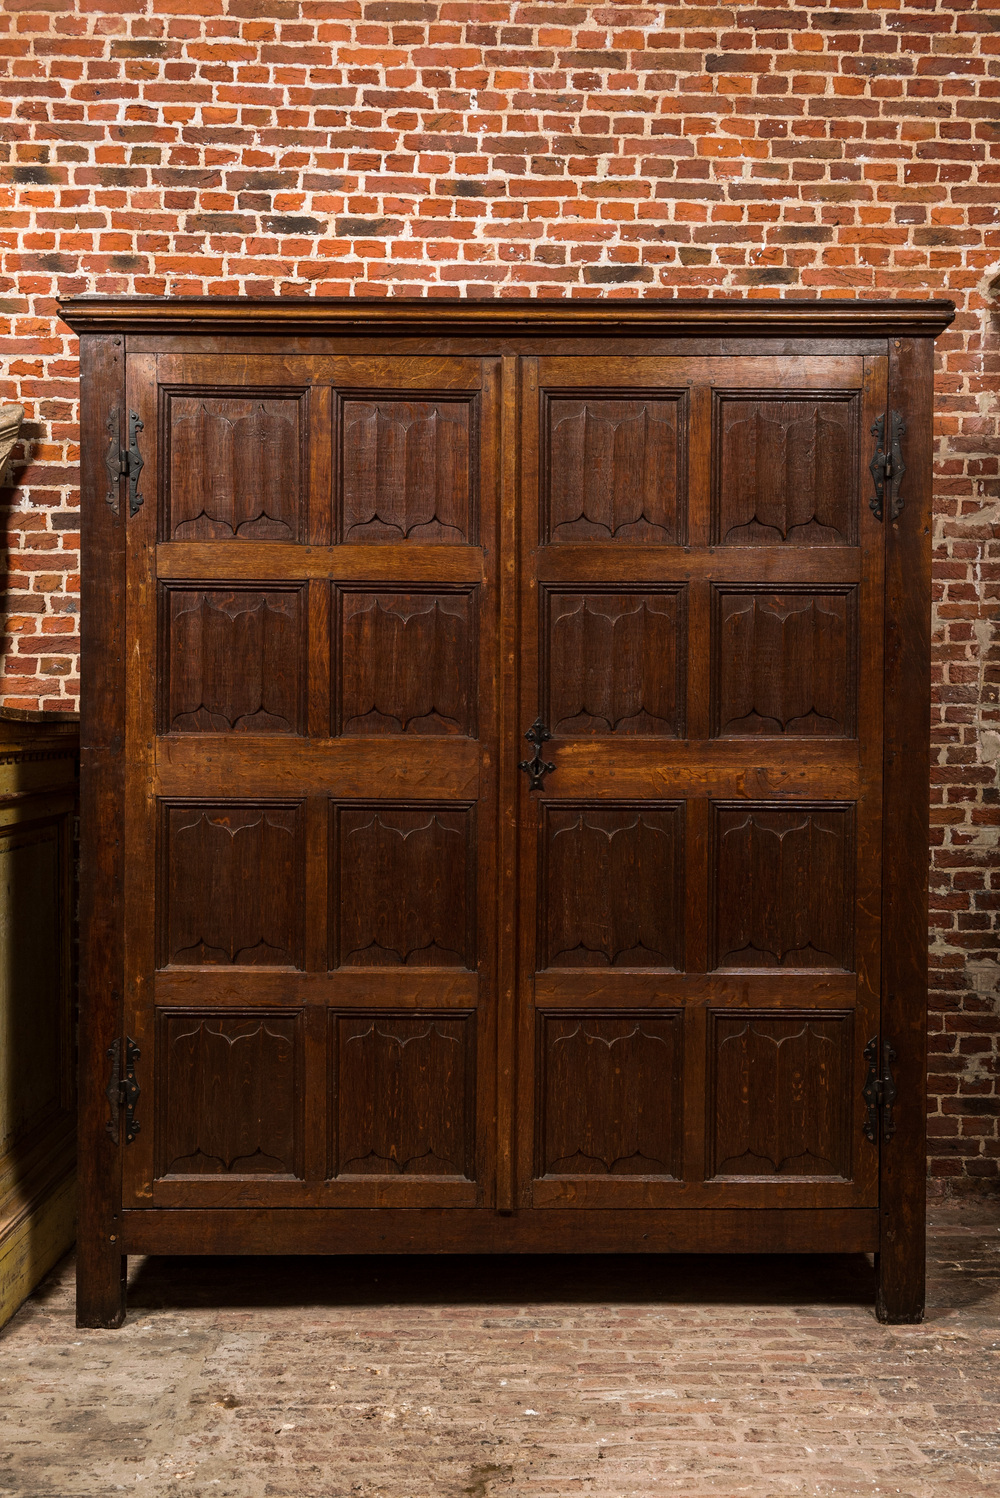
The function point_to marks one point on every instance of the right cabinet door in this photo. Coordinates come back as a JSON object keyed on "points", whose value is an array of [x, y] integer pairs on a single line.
{"points": [[701, 585]]}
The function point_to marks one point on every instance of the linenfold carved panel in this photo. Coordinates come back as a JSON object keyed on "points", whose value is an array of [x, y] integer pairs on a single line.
{"points": [[785, 468], [614, 467], [784, 885], [232, 660], [613, 661], [231, 883], [226, 1094], [784, 663], [234, 467], [408, 469], [403, 1090], [609, 1089], [611, 885], [406, 662], [404, 891], [778, 1102]]}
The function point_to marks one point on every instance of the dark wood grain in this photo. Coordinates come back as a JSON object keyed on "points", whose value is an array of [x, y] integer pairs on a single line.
{"points": [[676, 1230], [740, 316], [377, 978], [900, 1296], [101, 1263], [227, 1095], [234, 660]]}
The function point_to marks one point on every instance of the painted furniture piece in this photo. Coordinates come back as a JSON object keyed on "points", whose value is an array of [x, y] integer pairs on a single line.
{"points": [[505, 790], [38, 803]]}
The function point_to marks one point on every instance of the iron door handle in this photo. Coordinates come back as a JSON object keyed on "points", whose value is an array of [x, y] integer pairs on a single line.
{"points": [[537, 768]]}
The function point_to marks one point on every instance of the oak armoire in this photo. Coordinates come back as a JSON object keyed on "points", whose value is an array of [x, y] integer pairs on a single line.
{"points": [[505, 779]]}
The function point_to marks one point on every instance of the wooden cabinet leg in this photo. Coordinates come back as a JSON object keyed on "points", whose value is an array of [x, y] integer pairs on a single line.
{"points": [[900, 1273], [100, 1285]]}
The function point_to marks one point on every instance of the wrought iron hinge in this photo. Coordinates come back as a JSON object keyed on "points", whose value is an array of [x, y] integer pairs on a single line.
{"points": [[123, 1090], [537, 768], [123, 461], [879, 1091], [887, 467]]}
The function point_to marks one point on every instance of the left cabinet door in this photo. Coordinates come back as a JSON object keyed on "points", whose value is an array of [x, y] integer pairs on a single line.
{"points": [[311, 802]]}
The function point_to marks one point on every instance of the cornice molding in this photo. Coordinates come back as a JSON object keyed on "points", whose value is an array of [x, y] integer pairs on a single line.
{"points": [[428, 317]]}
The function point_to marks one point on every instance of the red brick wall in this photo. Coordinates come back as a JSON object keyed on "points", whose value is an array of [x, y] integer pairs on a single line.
{"points": [[400, 148]]}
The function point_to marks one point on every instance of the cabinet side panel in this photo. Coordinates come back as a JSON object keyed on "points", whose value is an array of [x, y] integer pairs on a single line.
{"points": [[100, 1288], [906, 836]]}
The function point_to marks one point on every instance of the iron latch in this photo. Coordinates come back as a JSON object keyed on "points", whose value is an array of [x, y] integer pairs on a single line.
{"points": [[879, 1091], [887, 466], [537, 768], [122, 1091], [123, 462]]}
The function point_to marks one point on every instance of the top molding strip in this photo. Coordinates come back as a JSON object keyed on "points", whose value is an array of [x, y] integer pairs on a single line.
{"points": [[428, 317]]}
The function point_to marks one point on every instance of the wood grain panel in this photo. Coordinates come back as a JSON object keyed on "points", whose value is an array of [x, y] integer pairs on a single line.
{"points": [[778, 1101], [603, 988], [408, 469], [785, 468], [234, 464], [385, 767], [403, 1090], [404, 886], [729, 370], [784, 886], [614, 467], [784, 663], [615, 767], [611, 886], [651, 563], [267, 561], [226, 1094], [613, 661], [231, 884], [348, 988], [406, 662], [233, 660], [608, 1094]]}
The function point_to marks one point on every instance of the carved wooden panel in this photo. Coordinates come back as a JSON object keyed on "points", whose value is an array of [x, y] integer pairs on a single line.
{"points": [[404, 891], [234, 466], [404, 1095], [408, 469], [784, 885], [609, 1089], [611, 886], [226, 1091], [233, 660], [406, 662], [784, 663], [785, 469], [613, 661], [231, 885], [779, 1096], [614, 468]]}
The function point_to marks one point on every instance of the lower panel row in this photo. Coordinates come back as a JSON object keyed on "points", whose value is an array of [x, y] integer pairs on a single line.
{"points": [[396, 1095]]}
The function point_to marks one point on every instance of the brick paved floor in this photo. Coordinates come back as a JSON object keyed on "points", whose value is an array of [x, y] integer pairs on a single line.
{"points": [[539, 1378]]}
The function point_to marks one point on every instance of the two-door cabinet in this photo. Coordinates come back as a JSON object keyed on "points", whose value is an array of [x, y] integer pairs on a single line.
{"points": [[505, 779]]}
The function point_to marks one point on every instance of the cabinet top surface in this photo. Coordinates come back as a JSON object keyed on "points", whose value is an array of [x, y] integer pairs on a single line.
{"points": [[429, 317]]}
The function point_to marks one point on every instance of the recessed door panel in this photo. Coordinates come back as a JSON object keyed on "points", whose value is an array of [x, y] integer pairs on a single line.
{"points": [[700, 816], [312, 743]]}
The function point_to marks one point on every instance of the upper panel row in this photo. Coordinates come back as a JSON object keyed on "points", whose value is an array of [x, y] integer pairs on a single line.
{"points": [[614, 466]]}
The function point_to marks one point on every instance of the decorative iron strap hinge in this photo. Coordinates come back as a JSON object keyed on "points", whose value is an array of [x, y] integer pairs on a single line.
{"points": [[123, 461], [887, 467], [879, 1091], [123, 1090]]}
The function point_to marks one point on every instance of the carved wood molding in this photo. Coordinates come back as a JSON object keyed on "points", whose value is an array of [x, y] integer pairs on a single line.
{"points": [[735, 316]]}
